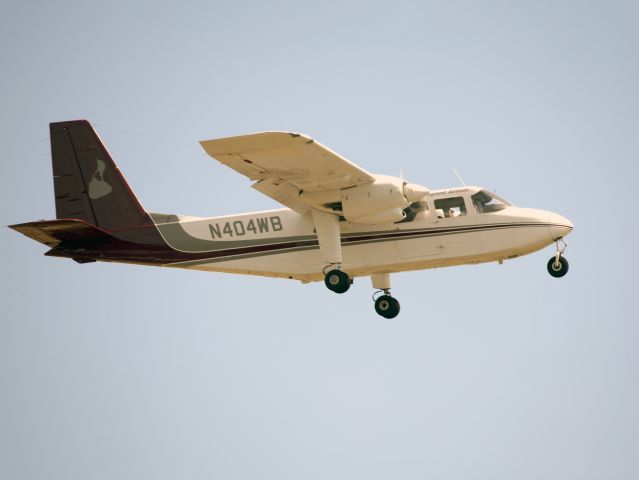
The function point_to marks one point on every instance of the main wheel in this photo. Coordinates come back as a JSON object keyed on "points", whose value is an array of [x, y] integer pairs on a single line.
{"points": [[337, 281], [558, 269], [387, 306]]}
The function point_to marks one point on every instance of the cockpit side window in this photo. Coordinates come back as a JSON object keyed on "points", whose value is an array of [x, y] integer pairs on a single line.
{"points": [[484, 202], [450, 207]]}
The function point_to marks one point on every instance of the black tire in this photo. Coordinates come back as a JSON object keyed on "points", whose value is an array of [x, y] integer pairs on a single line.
{"points": [[558, 270], [337, 281], [387, 306]]}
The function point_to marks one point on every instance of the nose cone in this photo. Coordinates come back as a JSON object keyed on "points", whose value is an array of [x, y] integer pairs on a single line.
{"points": [[559, 226], [414, 192]]}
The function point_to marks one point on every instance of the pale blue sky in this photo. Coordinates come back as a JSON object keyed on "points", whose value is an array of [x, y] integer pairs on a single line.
{"points": [[490, 372]]}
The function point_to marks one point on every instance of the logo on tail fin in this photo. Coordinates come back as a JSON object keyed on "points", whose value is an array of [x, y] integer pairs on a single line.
{"points": [[98, 188]]}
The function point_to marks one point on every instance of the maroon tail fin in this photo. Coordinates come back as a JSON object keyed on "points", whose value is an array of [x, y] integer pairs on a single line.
{"points": [[88, 184]]}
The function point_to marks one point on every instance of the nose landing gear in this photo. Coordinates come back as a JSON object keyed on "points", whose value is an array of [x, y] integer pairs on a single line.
{"points": [[558, 265]]}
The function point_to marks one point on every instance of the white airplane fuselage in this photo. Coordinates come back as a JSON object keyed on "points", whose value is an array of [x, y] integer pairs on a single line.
{"points": [[427, 241]]}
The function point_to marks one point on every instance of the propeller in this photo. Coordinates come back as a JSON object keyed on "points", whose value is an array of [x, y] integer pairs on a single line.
{"points": [[413, 192]]}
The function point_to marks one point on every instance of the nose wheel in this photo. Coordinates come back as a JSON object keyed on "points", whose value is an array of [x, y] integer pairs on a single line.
{"points": [[558, 265]]}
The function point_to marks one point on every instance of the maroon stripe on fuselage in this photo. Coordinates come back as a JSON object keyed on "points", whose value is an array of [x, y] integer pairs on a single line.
{"points": [[157, 252]]}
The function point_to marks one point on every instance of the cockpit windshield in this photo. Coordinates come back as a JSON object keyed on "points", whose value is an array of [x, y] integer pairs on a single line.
{"points": [[486, 202]]}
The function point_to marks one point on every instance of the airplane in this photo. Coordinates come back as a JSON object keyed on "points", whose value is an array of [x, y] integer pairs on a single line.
{"points": [[339, 223]]}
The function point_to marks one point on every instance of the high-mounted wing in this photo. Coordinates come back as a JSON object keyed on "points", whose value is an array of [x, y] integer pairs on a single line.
{"points": [[285, 164]]}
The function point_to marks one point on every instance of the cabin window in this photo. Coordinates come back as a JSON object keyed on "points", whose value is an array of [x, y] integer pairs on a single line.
{"points": [[485, 202], [450, 207]]}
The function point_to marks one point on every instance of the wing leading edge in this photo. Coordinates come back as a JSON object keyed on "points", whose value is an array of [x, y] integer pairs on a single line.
{"points": [[285, 164]]}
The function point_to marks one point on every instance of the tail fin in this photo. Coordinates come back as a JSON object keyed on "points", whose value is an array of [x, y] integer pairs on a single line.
{"points": [[88, 185]]}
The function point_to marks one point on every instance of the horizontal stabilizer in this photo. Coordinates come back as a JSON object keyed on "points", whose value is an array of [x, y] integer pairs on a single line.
{"points": [[54, 232]]}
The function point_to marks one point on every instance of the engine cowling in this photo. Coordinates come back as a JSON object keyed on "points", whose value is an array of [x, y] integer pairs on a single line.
{"points": [[380, 202], [376, 203]]}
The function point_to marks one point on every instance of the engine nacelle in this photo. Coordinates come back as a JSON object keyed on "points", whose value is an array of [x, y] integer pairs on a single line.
{"points": [[376, 203]]}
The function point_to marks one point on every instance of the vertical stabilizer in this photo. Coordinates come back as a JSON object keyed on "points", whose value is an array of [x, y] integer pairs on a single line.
{"points": [[88, 184]]}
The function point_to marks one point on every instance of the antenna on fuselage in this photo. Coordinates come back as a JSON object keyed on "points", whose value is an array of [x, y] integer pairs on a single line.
{"points": [[459, 177]]}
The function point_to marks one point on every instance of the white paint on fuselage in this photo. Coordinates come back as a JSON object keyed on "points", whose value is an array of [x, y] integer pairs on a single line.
{"points": [[432, 242]]}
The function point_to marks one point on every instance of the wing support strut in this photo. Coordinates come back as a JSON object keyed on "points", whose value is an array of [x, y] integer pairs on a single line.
{"points": [[328, 235]]}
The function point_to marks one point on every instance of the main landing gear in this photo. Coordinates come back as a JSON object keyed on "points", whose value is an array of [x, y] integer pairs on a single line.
{"points": [[558, 265], [328, 236], [385, 305], [337, 281]]}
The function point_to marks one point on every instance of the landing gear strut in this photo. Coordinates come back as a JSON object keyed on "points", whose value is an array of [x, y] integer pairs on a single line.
{"points": [[337, 281], [558, 265], [329, 238]]}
